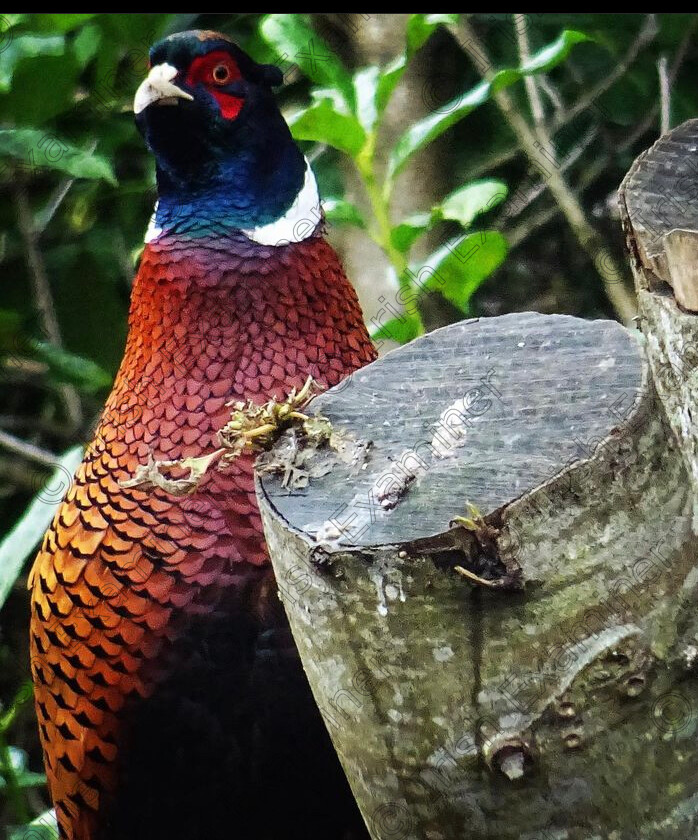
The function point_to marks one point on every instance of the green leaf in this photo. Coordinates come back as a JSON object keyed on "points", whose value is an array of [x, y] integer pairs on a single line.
{"points": [[86, 44], [70, 368], [335, 97], [338, 211], [22, 47], [10, 326], [419, 28], [297, 43], [16, 547], [402, 329], [41, 149], [549, 57], [43, 827], [23, 776], [61, 22], [19, 760], [545, 59], [463, 206], [10, 20], [388, 81], [323, 124], [468, 202], [433, 125], [462, 264], [23, 107], [366, 83], [425, 130], [25, 692], [403, 236], [30, 779]]}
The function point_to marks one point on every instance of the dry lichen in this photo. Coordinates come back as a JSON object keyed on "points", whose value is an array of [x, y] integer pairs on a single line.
{"points": [[256, 427], [251, 428]]}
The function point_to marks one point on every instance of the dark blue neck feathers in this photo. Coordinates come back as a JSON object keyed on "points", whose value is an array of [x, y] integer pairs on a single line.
{"points": [[240, 176]]}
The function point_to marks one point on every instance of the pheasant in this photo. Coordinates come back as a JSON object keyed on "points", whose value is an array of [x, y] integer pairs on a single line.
{"points": [[169, 694]]}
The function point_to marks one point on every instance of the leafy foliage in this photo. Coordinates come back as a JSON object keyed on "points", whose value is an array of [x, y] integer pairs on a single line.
{"points": [[22, 540], [347, 112], [23, 144]]}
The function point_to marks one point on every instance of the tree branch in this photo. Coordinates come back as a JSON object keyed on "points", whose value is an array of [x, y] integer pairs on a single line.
{"points": [[564, 117], [673, 73], [538, 189], [42, 295], [515, 236], [644, 37], [664, 95], [27, 450], [539, 153], [532, 91]]}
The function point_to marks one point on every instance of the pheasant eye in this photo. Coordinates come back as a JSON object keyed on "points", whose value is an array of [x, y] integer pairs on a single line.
{"points": [[221, 74]]}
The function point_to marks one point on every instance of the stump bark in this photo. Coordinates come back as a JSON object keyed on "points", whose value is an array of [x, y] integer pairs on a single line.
{"points": [[528, 670]]}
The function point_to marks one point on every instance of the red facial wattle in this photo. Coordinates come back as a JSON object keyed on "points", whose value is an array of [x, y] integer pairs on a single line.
{"points": [[217, 70], [230, 105]]}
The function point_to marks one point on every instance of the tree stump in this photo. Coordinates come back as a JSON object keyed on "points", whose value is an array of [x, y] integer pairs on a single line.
{"points": [[488, 564], [659, 205]]}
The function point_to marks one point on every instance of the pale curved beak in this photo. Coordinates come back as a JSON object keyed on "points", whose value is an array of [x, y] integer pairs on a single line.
{"points": [[158, 88]]}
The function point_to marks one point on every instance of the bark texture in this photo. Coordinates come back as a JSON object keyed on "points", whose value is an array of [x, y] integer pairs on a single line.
{"points": [[528, 672]]}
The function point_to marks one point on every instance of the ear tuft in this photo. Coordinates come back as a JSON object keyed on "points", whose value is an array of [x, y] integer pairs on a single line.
{"points": [[271, 75]]}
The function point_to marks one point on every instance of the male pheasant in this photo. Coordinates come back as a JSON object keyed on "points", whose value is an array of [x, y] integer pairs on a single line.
{"points": [[170, 698]]}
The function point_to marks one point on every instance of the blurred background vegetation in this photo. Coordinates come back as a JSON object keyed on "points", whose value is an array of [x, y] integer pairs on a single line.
{"points": [[469, 166]]}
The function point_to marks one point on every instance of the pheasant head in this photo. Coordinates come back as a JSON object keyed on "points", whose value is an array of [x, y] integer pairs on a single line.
{"points": [[225, 156]]}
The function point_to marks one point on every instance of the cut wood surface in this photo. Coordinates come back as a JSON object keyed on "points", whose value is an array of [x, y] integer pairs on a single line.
{"points": [[482, 411], [660, 200], [527, 671]]}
